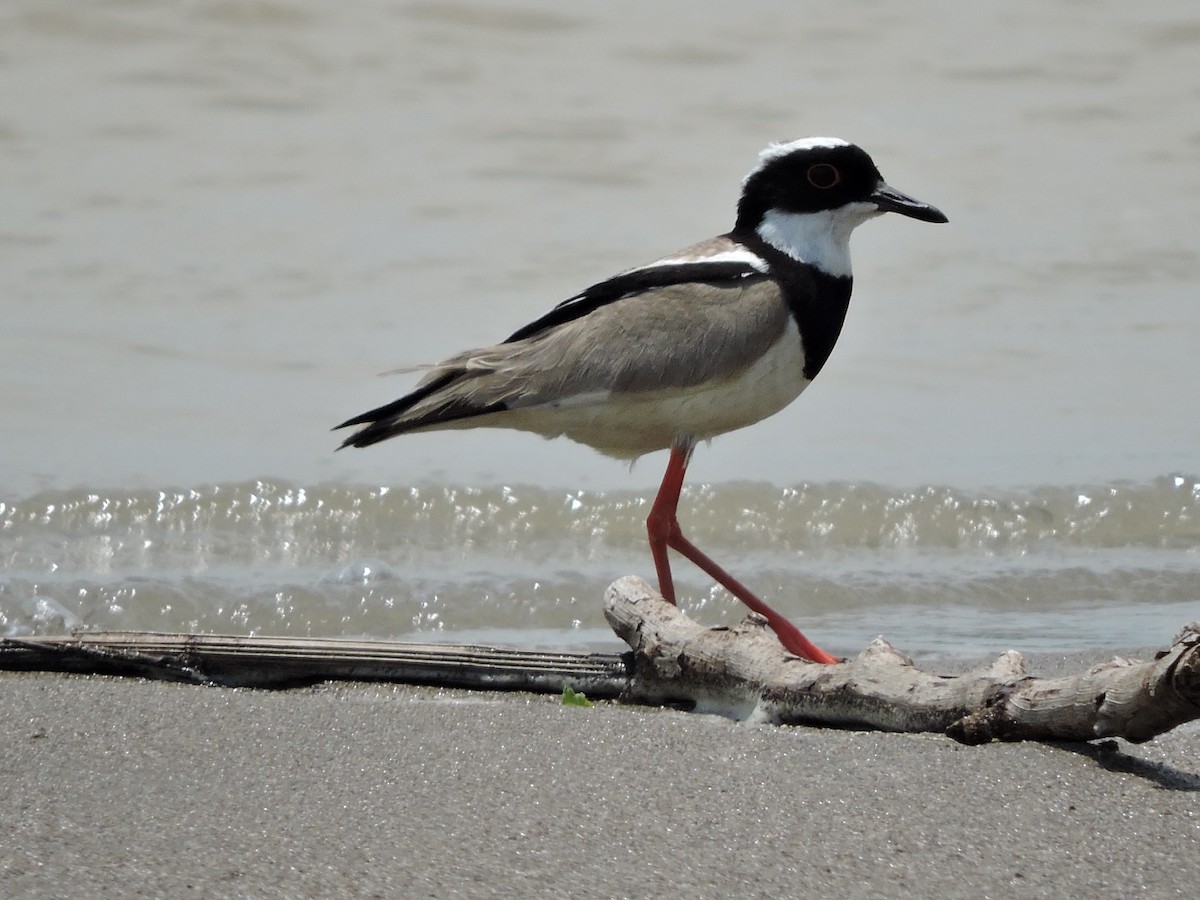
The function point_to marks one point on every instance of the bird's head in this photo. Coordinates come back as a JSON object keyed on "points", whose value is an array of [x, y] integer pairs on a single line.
{"points": [[805, 197]]}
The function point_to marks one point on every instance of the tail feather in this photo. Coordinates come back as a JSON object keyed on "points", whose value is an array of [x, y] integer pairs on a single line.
{"points": [[398, 407], [402, 415]]}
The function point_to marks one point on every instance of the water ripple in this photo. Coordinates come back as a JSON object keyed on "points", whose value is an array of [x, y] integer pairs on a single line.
{"points": [[269, 556]]}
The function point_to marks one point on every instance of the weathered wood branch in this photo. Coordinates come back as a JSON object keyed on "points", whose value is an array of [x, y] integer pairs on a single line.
{"points": [[745, 673], [283, 662]]}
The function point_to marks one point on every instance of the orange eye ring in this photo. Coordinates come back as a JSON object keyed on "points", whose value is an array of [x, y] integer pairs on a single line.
{"points": [[823, 176]]}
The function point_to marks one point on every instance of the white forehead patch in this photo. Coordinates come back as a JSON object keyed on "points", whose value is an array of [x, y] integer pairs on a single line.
{"points": [[777, 150]]}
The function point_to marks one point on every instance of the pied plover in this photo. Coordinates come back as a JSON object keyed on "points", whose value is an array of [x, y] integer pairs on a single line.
{"points": [[701, 342]]}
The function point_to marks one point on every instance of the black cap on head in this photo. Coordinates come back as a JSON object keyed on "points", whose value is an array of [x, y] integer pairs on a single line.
{"points": [[816, 174]]}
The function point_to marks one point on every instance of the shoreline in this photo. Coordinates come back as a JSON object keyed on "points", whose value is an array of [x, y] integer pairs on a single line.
{"points": [[351, 789]]}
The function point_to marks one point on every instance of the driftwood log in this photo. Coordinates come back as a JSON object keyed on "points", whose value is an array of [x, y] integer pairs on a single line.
{"points": [[287, 662], [744, 672]]}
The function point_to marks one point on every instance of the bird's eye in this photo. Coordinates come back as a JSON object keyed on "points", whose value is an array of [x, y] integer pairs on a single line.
{"points": [[823, 175]]}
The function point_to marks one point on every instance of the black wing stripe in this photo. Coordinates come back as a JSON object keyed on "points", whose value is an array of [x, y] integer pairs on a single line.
{"points": [[635, 282]]}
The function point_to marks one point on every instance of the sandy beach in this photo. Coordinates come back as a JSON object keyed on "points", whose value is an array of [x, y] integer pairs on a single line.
{"points": [[136, 788], [222, 219]]}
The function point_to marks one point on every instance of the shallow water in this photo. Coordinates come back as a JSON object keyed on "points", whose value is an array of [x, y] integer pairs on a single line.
{"points": [[935, 569], [221, 219]]}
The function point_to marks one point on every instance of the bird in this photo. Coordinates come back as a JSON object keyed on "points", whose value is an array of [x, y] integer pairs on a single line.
{"points": [[663, 356]]}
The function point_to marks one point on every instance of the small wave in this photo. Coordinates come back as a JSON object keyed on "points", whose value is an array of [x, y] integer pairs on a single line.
{"points": [[277, 522], [270, 556]]}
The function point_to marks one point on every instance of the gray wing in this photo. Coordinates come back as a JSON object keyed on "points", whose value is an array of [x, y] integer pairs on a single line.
{"points": [[662, 340]]}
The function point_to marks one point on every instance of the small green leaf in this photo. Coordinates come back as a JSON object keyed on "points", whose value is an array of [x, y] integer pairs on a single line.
{"points": [[571, 698]]}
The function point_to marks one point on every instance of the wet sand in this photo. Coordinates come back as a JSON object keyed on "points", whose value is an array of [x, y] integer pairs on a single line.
{"points": [[128, 787]]}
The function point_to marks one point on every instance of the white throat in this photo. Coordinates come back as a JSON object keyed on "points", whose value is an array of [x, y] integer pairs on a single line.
{"points": [[821, 239]]}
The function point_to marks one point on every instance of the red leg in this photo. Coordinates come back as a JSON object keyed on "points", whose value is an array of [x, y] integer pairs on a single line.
{"points": [[661, 524], [789, 635], [663, 528]]}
